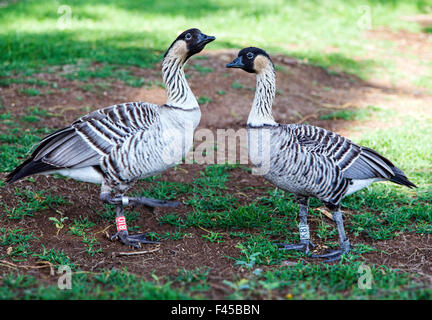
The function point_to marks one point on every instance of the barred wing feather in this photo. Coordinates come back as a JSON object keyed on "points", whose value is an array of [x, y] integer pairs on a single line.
{"points": [[355, 162], [88, 139]]}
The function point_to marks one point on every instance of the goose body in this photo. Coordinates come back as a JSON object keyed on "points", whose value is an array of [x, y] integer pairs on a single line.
{"points": [[305, 160], [311, 161], [117, 145]]}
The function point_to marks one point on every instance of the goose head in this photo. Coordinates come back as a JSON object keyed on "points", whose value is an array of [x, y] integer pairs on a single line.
{"points": [[188, 43], [252, 60]]}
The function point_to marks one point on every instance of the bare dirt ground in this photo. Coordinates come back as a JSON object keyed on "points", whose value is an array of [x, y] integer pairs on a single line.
{"points": [[304, 94]]}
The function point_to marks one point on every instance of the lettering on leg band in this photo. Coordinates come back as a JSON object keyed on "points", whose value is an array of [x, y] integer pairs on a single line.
{"points": [[121, 223], [304, 232]]}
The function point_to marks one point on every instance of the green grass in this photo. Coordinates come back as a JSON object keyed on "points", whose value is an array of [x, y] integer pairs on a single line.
{"points": [[114, 284], [18, 240], [409, 148], [382, 212], [33, 81], [201, 69], [81, 228], [5, 116], [55, 257], [30, 92], [350, 115], [31, 202], [237, 85], [105, 38], [137, 33], [15, 145], [322, 281], [204, 100]]}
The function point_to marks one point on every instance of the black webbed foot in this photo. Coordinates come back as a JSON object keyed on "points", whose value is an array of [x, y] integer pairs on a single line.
{"points": [[134, 240], [334, 255], [302, 246]]}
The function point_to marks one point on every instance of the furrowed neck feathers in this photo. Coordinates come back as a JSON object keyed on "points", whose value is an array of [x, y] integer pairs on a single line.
{"points": [[178, 91], [261, 112]]}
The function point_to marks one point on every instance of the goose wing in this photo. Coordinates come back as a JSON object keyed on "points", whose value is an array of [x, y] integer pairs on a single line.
{"points": [[355, 162], [88, 139], [92, 136]]}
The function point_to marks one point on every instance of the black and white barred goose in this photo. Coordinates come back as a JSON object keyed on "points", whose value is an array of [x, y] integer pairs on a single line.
{"points": [[120, 144], [305, 160]]}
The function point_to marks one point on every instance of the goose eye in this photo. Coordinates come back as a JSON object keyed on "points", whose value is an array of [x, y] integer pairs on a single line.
{"points": [[249, 55], [188, 36]]}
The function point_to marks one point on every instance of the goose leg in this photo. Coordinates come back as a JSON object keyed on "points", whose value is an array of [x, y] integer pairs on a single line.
{"points": [[343, 241], [152, 203], [122, 233], [120, 202], [305, 241], [137, 201]]}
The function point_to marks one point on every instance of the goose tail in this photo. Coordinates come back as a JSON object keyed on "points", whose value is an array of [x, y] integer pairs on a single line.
{"points": [[400, 178]]}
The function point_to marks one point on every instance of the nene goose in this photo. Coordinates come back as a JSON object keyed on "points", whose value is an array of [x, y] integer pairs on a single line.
{"points": [[120, 144], [305, 160]]}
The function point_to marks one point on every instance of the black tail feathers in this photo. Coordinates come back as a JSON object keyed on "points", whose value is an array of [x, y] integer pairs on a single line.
{"points": [[400, 178], [28, 168]]}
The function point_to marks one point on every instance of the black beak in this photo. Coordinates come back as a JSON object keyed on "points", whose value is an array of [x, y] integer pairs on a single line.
{"points": [[203, 39], [237, 63]]}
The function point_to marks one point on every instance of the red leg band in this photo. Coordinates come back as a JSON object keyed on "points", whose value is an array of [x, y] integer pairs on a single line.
{"points": [[121, 223]]}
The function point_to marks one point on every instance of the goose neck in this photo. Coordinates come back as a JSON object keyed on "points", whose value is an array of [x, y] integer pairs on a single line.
{"points": [[261, 112], [178, 92]]}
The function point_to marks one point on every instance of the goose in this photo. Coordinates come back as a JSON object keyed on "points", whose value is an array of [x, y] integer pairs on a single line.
{"points": [[305, 160], [117, 145]]}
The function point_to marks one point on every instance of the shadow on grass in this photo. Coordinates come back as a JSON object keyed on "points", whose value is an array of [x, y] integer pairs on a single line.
{"points": [[427, 29], [181, 8], [192, 9], [21, 51], [339, 63], [29, 52], [98, 39]]}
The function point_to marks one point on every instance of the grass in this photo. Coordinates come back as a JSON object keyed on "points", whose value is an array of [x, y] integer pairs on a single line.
{"points": [[382, 212], [30, 92], [33, 81], [202, 70], [255, 225], [129, 33], [329, 282], [55, 257], [114, 284], [16, 144], [80, 228], [18, 240], [31, 202], [85, 71], [237, 85], [204, 99], [100, 44], [350, 115]]}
